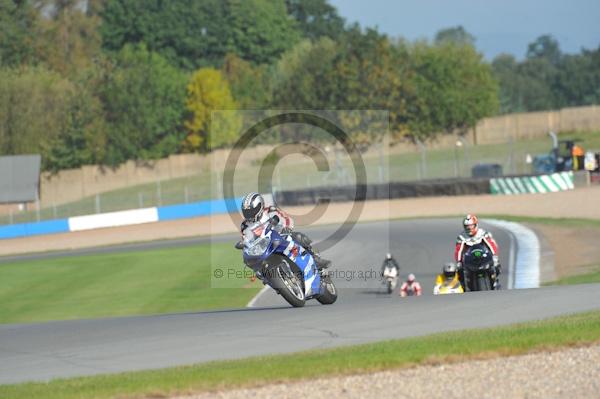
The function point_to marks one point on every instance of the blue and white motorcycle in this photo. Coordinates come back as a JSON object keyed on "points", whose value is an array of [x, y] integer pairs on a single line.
{"points": [[285, 266]]}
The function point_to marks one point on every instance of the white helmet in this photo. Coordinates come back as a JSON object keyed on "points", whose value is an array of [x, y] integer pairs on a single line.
{"points": [[253, 205], [470, 224], [410, 278], [449, 269]]}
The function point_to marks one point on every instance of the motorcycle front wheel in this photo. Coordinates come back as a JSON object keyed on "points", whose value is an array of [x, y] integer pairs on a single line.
{"points": [[483, 283], [287, 285]]}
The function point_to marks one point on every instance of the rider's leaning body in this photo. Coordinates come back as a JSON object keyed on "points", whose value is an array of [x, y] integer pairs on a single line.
{"points": [[254, 210], [448, 278]]}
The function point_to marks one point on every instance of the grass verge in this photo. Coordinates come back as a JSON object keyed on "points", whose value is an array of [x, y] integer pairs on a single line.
{"points": [[573, 330], [121, 284], [586, 278]]}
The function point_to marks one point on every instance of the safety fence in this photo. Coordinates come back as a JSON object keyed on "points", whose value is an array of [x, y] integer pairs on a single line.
{"points": [[439, 187]]}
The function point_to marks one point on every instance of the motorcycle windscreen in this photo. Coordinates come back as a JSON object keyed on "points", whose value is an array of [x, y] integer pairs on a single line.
{"points": [[478, 257]]}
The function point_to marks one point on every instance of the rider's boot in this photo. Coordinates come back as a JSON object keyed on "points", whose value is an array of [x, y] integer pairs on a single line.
{"points": [[321, 262], [306, 243]]}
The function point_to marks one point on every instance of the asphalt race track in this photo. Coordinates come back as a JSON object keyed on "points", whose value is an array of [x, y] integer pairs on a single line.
{"points": [[362, 314]]}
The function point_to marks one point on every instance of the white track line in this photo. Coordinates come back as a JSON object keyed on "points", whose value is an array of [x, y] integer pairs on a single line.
{"points": [[253, 300]]}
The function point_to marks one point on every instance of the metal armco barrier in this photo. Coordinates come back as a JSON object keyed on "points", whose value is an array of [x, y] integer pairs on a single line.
{"points": [[532, 184], [427, 188]]}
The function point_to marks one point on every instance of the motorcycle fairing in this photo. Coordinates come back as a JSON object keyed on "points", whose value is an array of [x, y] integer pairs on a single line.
{"points": [[304, 260], [286, 246]]}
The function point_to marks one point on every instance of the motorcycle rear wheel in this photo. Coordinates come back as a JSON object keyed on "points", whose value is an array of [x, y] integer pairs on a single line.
{"points": [[330, 294]]}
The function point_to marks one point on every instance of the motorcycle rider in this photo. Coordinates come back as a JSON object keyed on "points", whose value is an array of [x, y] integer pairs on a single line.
{"points": [[473, 234], [449, 271], [411, 287], [389, 261], [254, 210]]}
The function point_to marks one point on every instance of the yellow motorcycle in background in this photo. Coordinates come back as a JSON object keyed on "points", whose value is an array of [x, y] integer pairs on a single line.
{"points": [[448, 281]]}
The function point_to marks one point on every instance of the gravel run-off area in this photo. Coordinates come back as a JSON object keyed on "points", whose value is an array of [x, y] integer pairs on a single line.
{"points": [[569, 373]]}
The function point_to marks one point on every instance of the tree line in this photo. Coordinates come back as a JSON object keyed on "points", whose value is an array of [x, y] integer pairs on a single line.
{"points": [[105, 81], [547, 78]]}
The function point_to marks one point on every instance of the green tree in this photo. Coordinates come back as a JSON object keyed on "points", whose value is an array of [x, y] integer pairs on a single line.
{"points": [[249, 84], [304, 77], [455, 87], [260, 29], [188, 33], [457, 35], [69, 40], [511, 84], [83, 141], [207, 92], [545, 47], [34, 104], [143, 98], [539, 76], [316, 18], [197, 33], [547, 78], [18, 20], [530, 85], [353, 73], [578, 81], [362, 71]]}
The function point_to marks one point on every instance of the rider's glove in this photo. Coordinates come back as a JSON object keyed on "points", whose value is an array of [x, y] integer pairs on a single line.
{"points": [[496, 260], [458, 265]]}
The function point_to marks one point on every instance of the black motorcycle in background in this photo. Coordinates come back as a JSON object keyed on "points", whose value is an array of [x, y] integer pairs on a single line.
{"points": [[478, 266]]}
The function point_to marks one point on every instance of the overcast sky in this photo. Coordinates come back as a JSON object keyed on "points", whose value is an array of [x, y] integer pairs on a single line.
{"points": [[500, 26]]}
